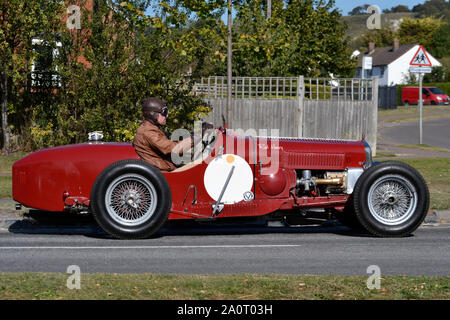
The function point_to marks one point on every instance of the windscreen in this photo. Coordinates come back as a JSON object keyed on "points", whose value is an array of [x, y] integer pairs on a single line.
{"points": [[436, 90]]}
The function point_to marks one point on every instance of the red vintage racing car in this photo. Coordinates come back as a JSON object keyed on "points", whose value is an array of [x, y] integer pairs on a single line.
{"points": [[234, 176]]}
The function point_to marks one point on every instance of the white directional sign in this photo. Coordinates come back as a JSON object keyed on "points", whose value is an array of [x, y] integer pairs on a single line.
{"points": [[367, 63], [416, 69]]}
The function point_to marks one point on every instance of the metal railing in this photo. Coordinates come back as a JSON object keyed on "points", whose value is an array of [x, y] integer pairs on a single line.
{"points": [[287, 88], [249, 87], [338, 89]]}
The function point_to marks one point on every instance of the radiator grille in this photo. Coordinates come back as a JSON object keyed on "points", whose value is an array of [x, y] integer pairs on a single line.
{"points": [[314, 160]]}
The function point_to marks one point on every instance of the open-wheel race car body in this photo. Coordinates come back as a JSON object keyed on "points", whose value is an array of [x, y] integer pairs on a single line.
{"points": [[235, 176]]}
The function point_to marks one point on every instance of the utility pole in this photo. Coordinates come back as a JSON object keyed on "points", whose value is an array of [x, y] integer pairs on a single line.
{"points": [[229, 65], [269, 9]]}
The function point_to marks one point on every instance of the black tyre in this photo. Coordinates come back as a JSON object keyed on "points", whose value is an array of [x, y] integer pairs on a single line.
{"points": [[131, 199], [391, 199], [348, 218]]}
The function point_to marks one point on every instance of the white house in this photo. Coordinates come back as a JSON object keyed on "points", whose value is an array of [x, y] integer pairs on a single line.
{"points": [[390, 64]]}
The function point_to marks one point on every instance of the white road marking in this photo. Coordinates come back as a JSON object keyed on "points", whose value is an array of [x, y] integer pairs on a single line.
{"points": [[154, 247]]}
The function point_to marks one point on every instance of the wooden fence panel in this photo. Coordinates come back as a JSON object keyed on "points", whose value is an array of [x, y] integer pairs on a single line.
{"points": [[297, 107]]}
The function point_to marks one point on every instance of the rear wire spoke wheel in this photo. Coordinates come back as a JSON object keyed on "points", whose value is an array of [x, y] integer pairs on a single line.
{"points": [[131, 199], [391, 199]]}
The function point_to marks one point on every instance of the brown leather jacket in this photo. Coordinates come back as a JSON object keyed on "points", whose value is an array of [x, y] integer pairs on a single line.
{"points": [[152, 146]]}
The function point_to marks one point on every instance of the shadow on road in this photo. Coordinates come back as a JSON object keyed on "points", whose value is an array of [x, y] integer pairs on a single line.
{"points": [[56, 223]]}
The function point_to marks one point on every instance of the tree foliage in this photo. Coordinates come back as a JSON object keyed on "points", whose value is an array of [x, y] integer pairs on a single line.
{"points": [[381, 37], [441, 42], [397, 9], [119, 58], [359, 10], [434, 8], [20, 22], [122, 55], [303, 37], [429, 32], [419, 31]]}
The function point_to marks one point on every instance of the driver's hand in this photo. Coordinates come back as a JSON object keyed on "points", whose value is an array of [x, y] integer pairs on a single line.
{"points": [[183, 145], [187, 143], [206, 126]]}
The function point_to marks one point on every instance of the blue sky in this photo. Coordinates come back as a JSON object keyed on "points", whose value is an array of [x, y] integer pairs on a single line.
{"points": [[347, 5]]}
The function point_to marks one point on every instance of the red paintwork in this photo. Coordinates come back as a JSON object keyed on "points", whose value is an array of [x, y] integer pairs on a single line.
{"points": [[272, 184], [42, 179]]}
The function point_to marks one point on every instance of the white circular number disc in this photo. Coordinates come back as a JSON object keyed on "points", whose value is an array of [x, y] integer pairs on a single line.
{"points": [[216, 175]]}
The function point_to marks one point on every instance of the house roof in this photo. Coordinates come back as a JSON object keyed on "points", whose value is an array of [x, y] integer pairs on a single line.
{"points": [[385, 55]]}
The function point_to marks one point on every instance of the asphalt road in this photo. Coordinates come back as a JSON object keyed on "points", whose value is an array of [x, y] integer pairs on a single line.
{"points": [[436, 132], [206, 250]]}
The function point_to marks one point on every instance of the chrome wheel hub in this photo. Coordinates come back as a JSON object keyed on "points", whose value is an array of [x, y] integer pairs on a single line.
{"points": [[131, 199], [392, 199]]}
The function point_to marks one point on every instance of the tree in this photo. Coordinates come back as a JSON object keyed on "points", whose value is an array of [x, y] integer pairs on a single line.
{"points": [[434, 8], [359, 10], [399, 8], [381, 37], [305, 37], [20, 21], [116, 60], [419, 31], [441, 42], [256, 38], [438, 74]]}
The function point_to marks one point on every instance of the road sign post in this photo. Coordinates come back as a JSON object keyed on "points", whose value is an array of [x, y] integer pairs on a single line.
{"points": [[420, 64], [366, 65], [420, 108]]}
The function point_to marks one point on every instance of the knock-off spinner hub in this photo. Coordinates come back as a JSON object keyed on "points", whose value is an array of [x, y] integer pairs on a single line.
{"points": [[390, 199], [131, 198]]}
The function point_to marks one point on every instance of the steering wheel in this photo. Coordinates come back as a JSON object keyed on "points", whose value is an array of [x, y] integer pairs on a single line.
{"points": [[208, 140]]}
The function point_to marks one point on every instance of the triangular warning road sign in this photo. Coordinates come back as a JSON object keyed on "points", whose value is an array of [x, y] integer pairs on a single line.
{"points": [[421, 58]]}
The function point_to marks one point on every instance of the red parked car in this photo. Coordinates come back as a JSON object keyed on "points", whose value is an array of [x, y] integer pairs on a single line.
{"points": [[430, 95], [239, 176]]}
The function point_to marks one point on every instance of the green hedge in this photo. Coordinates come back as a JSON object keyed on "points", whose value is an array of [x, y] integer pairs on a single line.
{"points": [[445, 86]]}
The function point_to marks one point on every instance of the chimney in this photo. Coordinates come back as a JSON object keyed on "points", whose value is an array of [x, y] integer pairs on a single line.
{"points": [[395, 45], [371, 47]]}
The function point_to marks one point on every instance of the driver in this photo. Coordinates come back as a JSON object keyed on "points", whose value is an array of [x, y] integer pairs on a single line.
{"points": [[150, 143]]}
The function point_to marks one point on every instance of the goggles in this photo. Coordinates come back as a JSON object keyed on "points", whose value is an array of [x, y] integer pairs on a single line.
{"points": [[165, 111]]}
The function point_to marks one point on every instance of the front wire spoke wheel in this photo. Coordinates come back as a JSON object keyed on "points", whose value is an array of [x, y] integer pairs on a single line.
{"points": [[392, 199]]}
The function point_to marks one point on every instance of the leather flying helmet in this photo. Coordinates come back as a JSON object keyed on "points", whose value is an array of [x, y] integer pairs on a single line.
{"points": [[152, 107]]}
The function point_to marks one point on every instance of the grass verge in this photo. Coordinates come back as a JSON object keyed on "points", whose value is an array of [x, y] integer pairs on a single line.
{"points": [[417, 117], [6, 162], [385, 155], [411, 111], [52, 286], [425, 147], [436, 172], [5, 186]]}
